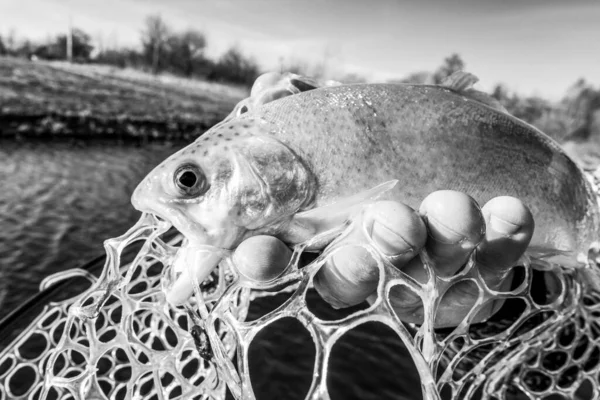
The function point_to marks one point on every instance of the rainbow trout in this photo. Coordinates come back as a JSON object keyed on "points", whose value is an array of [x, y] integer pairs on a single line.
{"points": [[304, 163]]}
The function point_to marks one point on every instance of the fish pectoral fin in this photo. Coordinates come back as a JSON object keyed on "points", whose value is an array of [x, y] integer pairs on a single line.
{"points": [[318, 221], [462, 82]]}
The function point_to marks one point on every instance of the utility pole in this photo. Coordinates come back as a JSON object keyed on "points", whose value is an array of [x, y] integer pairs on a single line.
{"points": [[156, 55], [70, 41]]}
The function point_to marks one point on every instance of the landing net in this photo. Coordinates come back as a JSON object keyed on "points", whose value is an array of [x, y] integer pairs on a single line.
{"points": [[120, 339]]}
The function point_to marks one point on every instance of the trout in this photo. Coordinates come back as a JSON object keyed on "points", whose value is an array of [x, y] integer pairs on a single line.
{"points": [[302, 164]]}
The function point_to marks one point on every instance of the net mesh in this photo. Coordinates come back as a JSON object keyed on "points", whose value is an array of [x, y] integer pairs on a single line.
{"points": [[121, 339]]}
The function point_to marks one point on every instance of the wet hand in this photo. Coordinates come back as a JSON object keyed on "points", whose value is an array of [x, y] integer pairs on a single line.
{"points": [[449, 225]]}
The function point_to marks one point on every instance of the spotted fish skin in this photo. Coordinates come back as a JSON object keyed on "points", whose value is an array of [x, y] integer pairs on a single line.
{"points": [[319, 147], [254, 185]]}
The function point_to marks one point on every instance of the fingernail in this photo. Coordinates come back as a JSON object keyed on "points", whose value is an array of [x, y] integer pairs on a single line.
{"points": [[502, 226], [325, 293], [441, 233], [389, 242], [334, 303]]}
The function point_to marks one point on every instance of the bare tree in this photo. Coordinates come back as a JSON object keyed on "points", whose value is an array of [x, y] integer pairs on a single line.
{"points": [[185, 49], [10, 42], [154, 40], [69, 42], [2, 47], [100, 43]]}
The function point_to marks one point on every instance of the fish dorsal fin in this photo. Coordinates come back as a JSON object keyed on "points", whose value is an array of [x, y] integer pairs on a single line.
{"points": [[306, 224], [462, 82]]}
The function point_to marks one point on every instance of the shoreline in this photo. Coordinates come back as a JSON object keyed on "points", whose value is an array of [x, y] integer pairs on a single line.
{"points": [[43, 101], [50, 126]]}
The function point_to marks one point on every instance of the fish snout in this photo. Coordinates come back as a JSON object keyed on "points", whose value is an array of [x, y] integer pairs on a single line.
{"points": [[148, 198], [145, 194], [138, 200], [145, 202]]}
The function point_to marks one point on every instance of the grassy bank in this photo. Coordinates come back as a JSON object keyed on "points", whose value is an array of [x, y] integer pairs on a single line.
{"points": [[49, 100]]}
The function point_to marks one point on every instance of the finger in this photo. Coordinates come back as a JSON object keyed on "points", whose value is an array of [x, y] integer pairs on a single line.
{"points": [[351, 274], [509, 230], [261, 258], [455, 227], [347, 278], [396, 230]]}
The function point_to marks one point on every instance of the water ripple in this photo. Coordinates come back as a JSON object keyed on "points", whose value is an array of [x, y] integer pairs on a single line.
{"points": [[58, 203]]}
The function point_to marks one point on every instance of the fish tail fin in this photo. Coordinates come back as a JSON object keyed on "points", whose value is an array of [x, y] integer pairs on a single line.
{"points": [[547, 255], [588, 265]]}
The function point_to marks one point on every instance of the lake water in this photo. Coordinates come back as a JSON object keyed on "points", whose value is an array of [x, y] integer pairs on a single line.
{"points": [[59, 202]]}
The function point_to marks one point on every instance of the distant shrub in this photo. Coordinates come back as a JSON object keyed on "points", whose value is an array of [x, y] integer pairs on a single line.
{"points": [[122, 58], [352, 78], [556, 123], [185, 52], [451, 65], [57, 49], [234, 67], [416, 78]]}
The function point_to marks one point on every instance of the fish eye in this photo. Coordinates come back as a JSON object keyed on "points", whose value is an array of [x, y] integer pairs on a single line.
{"points": [[190, 180]]}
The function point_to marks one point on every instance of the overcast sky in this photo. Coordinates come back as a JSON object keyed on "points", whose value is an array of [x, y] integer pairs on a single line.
{"points": [[534, 46]]}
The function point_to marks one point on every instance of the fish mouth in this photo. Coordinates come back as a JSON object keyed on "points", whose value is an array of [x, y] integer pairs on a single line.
{"points": [[190, 230], [145, 200], [194, 260]]}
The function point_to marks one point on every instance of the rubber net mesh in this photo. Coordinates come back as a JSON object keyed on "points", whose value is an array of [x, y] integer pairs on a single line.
{"points": [[120, 339]]}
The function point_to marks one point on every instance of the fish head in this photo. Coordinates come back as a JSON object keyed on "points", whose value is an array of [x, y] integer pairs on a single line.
{"points": [[235, 181]]}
